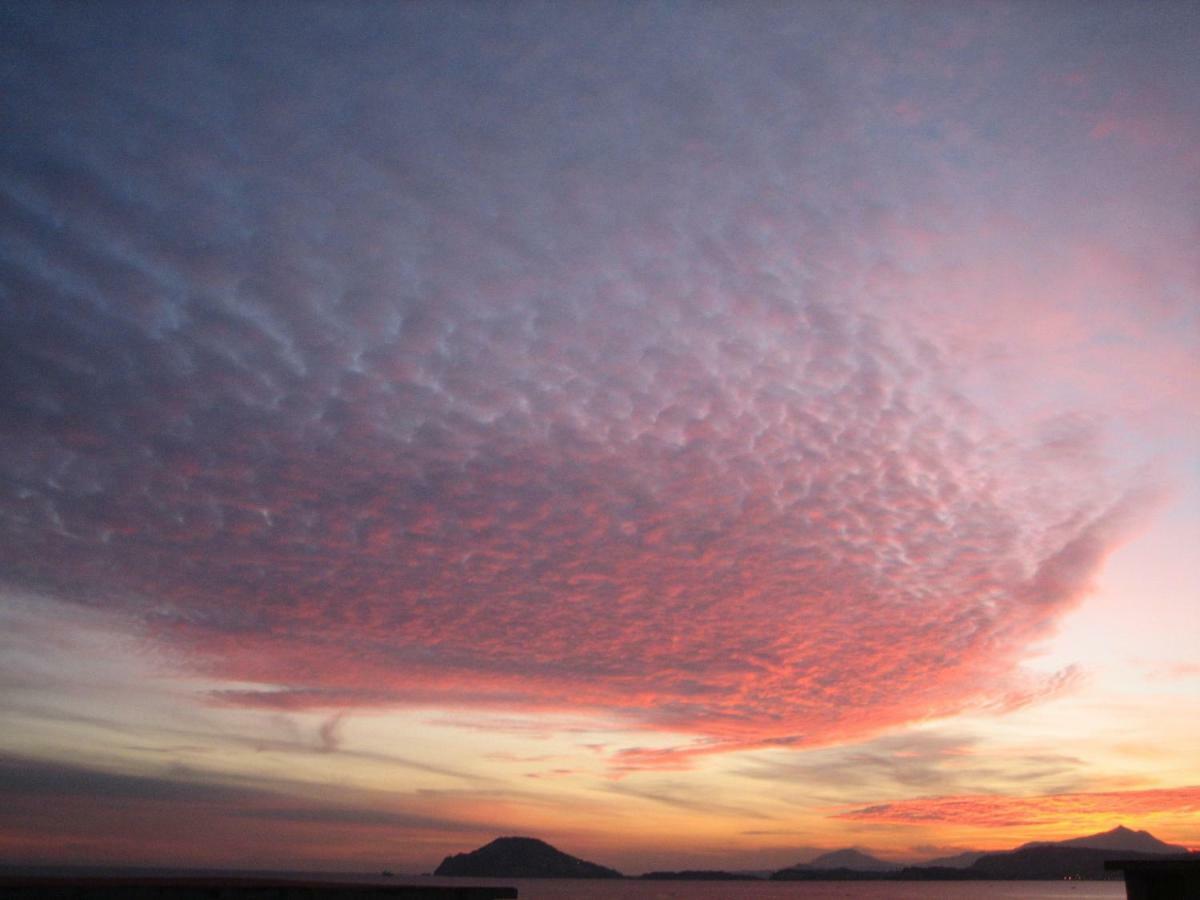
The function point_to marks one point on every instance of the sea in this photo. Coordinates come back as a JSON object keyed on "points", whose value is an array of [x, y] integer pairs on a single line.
{"points": [[632, 889]]}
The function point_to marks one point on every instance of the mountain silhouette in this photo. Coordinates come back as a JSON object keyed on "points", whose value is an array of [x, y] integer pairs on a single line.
{"points": [[1051, 861], [1081, 857], [526, 857], [847, 863], [1120, 838], [521, 857], [957, 861], [852, 859]]}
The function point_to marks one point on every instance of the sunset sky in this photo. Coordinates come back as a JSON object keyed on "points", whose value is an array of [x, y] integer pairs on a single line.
{"points": [[695, 434]]}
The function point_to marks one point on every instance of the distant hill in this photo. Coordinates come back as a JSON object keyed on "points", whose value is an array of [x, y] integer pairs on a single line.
{"points": [[1082, 856], [957, 861], [807, 873], [1120, 838], [1050, 861], [700, 875], [524, 857], [854, 860], [521, 857], [839, 864], [1073, 858]]}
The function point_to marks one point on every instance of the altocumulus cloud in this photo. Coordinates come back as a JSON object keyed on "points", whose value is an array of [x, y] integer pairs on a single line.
{"points": [[497, 356]]}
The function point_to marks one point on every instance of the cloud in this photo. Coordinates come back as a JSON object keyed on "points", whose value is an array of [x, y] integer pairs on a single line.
{"points": [[998, 811], [191, 818], [463, 359], [684, 796], [1039, 690], [329, 733], [921, 761], [20, 777]]}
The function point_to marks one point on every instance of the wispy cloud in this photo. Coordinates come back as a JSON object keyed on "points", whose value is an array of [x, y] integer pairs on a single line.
{"points": [[52, 807], [684, 796], [998, 811], [904, 763]]}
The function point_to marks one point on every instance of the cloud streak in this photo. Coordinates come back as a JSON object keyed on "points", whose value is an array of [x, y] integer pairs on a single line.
{"points": [[192, 818], [993, 811]]}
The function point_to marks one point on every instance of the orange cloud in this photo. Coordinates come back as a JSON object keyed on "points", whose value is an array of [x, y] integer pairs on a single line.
{"points": [[997, 811]]}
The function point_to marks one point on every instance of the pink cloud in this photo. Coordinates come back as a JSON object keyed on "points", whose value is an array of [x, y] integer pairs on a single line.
{"points": [[716, 408], [809, 594], [997, 811], [793, 533]]}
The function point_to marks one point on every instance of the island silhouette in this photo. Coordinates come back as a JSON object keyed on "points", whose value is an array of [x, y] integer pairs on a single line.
{"points": [[1082, 857], [521, 857]]}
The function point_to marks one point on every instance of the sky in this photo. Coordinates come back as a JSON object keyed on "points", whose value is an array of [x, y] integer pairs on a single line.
{"points": [[695, 434]]}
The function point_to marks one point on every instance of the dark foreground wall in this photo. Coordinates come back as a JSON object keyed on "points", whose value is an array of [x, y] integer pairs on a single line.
{"points": [[1167, 879], [232, 889]]}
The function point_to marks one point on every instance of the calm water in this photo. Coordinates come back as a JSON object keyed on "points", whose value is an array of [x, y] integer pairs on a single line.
{"points": [[632, 889], [552, 889]]}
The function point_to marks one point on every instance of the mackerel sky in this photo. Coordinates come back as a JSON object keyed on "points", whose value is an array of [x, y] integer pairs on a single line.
{"points": [[663, 428]]}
